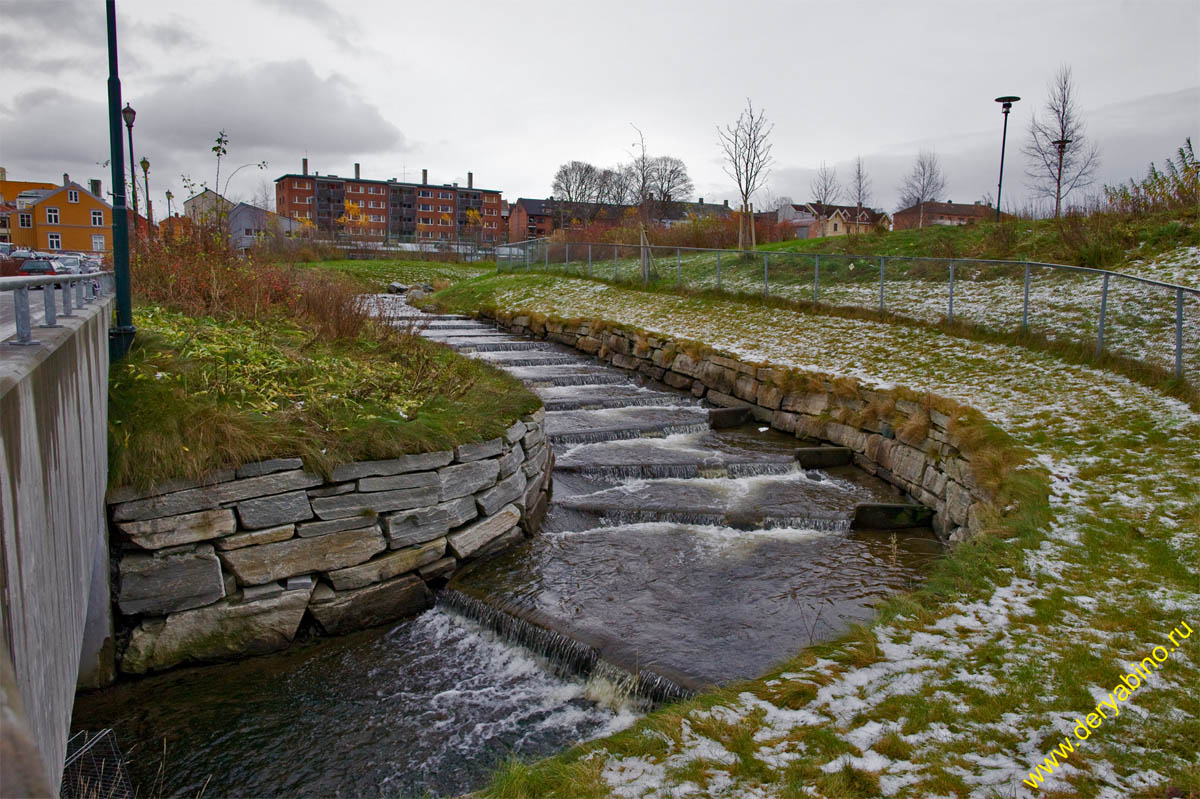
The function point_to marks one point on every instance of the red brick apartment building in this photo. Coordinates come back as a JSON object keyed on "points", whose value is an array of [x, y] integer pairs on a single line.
{"points": [[390, 210]]}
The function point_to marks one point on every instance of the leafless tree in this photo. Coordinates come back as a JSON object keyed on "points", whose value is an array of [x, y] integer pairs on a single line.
{"points": [[576, 182], [639, 174], [747, 149], [771, 201], [825, 187], [669, 179], [860, 184], [613, 186], [1060, 158], [923, 183]]}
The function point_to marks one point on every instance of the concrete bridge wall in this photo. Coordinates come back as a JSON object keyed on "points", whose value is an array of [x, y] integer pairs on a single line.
{"points": [[53, 544]]}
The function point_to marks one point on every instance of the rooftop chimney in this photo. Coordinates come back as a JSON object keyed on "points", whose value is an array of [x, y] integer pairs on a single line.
{"points": [[304, 165], [424, 177], [701, 201], [3, 173], [727, 203], [470, 180], [95, 186], [356, 172], [66, 178]]}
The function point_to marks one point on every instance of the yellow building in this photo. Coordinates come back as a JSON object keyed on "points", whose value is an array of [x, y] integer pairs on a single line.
{"points": [[50, 217]]}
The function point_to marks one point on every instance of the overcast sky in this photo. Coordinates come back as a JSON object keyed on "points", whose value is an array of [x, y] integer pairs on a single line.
{"points": [[510, 91]]}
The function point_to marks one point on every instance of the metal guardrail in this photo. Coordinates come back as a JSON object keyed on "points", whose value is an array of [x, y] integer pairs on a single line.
{"points": [[86, 288], [1139, 317]]}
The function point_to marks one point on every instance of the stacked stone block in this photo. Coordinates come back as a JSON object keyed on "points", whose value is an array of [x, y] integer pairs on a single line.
{"points": [[231, 566]]}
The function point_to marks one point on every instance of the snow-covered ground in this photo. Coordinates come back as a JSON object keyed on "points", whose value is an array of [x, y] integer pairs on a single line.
{"points": [[966, 701]]}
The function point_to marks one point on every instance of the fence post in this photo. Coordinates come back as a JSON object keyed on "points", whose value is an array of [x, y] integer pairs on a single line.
{"points": [[566, 253], [589, 272], [1179, 334], [616, 272], [951, 314], [766, 282], [21, 313], [718, 270], [1025, 303], [678, 270], [66, 295], [1103, 311], [881, 284], [48, 299], [78, 294], [816, 278]]}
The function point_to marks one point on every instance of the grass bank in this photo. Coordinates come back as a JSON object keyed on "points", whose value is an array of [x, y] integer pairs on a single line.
{"points": [[961, 688], [237, 361], [373, 274], [1103, 240]]}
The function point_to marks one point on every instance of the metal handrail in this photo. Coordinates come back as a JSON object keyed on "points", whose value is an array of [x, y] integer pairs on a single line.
{"points": [[87, 289], [525, 252]]}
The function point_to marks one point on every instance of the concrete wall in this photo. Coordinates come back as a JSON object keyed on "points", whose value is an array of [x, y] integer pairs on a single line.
{"points": [[53, 471]]}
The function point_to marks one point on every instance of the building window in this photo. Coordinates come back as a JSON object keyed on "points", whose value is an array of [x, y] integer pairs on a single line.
{"points": [[72, 196], [835, 227], [54, 241], [51, 216], [445, 209], [424, 207], [424, 193], [25, 220], [98, 244], [445, 195], [97, 219], [425, 220]]}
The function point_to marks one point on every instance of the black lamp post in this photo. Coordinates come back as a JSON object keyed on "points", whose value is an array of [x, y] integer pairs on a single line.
{"points": [[1061, 144], [128, 114], [170, 197], [1006, 106], [145, 165], [120, 335]]}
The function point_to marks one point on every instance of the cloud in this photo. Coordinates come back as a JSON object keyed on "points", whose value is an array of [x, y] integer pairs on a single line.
{"points": [[276, 112], [323, 15]]}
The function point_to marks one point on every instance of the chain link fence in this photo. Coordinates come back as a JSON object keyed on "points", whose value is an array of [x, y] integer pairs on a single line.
{"points": [[1149, 321]]}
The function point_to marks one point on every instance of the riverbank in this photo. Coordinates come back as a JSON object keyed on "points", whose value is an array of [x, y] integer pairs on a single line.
{"points": [[1043, 617]]}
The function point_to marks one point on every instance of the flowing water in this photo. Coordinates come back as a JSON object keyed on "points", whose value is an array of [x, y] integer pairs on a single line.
{"points": [[673, 557]]}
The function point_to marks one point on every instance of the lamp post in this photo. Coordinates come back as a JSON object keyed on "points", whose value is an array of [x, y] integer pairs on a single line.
{"points": [[128, 114], [170, 197], [1061, 144], [145, 165], [120, 335], [1006, 106]]}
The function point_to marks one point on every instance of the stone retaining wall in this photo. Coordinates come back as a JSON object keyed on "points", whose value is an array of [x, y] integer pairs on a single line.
{"points": [[230, 567], [894, 434]]}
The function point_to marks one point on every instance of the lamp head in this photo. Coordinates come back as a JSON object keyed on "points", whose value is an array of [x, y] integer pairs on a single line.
{"points": [[128, 114], [1007, 101]]}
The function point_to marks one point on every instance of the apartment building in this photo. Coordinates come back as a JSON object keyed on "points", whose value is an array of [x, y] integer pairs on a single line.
{"points": [[52, 217], [390, 210]]}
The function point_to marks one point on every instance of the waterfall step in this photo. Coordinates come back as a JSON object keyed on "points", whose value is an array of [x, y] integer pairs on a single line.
{"points": [[525, 359], [644, 419], [499, 345], [697, 469], [773, 500]]}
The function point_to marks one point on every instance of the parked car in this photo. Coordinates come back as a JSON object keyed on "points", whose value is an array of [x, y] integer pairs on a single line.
{"points": [[71, 264], [37, 267], [6, 247]]}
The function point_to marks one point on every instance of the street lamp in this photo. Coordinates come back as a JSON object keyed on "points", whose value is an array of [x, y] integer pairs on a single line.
{"points": [[170, 197], [145, 164], [1006, 106], [128, 114], [1061, 144]]}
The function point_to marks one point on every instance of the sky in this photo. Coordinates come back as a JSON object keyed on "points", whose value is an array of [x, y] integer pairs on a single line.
{"points": [[511, 91]]}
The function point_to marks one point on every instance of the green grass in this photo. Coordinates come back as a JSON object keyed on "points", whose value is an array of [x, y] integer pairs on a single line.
{"points": [[1101, 240], [198, 394], [372, 274]]}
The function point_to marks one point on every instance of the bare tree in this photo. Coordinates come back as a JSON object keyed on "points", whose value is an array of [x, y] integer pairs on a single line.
{"points": [[1060, 157], [639, 174], [923, 183], [576, 182], [860, 185], [771, 201], [825, 188], [670, 183], [747, 152], [613, 186]]}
